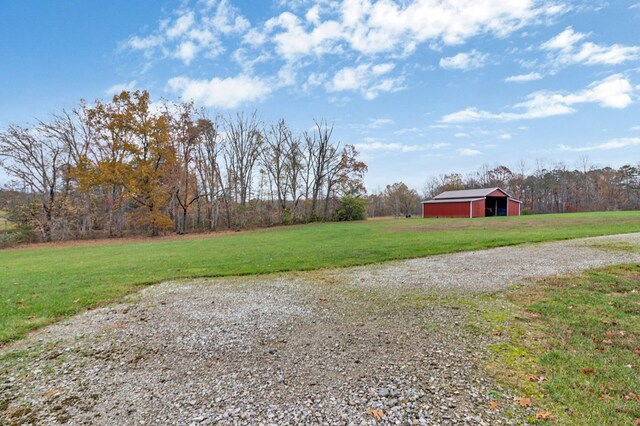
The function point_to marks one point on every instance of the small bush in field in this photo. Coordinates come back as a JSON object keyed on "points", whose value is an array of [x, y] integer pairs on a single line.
{"points": [[351, 208]]}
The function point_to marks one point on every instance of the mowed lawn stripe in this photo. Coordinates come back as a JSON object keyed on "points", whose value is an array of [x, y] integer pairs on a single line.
{"points": [[41, 285]]}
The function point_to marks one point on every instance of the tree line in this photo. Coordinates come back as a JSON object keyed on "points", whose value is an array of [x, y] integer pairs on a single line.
{"points": [[555, 189], [129, 165]]}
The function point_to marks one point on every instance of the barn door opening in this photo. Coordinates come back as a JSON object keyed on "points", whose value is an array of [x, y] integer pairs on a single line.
{"points": [[495, 206]]}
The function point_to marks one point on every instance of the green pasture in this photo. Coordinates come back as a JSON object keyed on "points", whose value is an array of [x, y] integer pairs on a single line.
{"points": [[40, 285]]}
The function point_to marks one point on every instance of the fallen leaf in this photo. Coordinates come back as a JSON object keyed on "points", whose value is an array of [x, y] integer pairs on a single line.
{"points": [[497, 333], [587, 370], [544, 415], [323, 299], [50, 393], [537, 379], [376, 414], [607, 342], [637, 422], [632, 395], [493, 405], [10, 411], [609, 334], [605, 396], [637, 351], [524, 402]]}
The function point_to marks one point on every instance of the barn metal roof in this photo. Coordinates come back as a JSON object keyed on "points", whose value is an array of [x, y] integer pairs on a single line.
{"points": [[452, 200], [468, 193]]}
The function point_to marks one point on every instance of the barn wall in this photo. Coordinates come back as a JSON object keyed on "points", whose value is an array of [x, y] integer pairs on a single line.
{"points": [[478, 208], [514, 208], [496, 193], [446, 210]]}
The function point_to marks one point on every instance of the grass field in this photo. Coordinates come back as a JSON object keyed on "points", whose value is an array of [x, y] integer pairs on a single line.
{"points": [[574, 346], [41, 285]]}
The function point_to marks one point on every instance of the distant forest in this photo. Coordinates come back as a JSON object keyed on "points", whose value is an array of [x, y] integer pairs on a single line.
{"points": [[556, 189], [129, 166]]}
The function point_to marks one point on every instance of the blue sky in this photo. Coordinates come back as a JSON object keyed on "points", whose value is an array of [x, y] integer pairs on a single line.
{"points": [[421, 87]]}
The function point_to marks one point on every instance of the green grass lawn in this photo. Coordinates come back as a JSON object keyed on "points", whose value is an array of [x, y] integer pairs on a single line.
{"points": [[574, 346], [41, 285]]}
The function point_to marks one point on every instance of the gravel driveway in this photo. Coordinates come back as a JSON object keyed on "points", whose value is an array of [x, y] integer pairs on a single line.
{"points": [[379, 344]]}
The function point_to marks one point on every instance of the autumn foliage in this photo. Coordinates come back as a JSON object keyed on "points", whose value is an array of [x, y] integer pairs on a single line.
{"points": [[131, 165]]}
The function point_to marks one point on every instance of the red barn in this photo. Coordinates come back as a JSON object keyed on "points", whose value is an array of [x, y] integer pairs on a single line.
{"points": [[472, 203]]}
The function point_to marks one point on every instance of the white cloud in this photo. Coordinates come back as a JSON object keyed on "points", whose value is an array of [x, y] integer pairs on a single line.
{"points": [[468, 152], [366, 79], [612, 144], [181, 25], [186, 52], [373, 145], [227, 19], [193, 31], [388, 26], [120, 87], [566, 49], [505, 136], [227, 93], [635, 128], [613, 92], [144, 43], [294, 41], [376, 123], [406, 130], [565, 41], [521, 78], [464, 61]]}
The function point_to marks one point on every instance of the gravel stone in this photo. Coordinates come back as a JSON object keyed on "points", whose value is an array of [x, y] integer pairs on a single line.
{"points": [[324, 347]]}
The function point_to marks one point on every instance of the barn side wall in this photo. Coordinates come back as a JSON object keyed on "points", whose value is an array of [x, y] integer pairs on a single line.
{"points": [[446, 209], [478, 208], [514, 208]]}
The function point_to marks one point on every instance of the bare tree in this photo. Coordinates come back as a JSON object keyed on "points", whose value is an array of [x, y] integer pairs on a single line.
{"points": [[76, 132], [242, 149], [208, 168], [275, 160], [186, 136], [38, 162]]}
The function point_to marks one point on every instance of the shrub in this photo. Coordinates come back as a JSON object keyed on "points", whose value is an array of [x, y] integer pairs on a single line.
{"points": [[351, 208], [287, 217]]}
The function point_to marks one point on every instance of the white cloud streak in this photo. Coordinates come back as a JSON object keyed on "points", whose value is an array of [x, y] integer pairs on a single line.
{"points": [[120, 87], [225, 93], [522, 78], [464, 61], [468, 152], [567, 48], [368, 79], [373, 145], [606, 146], [613, 92]]}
